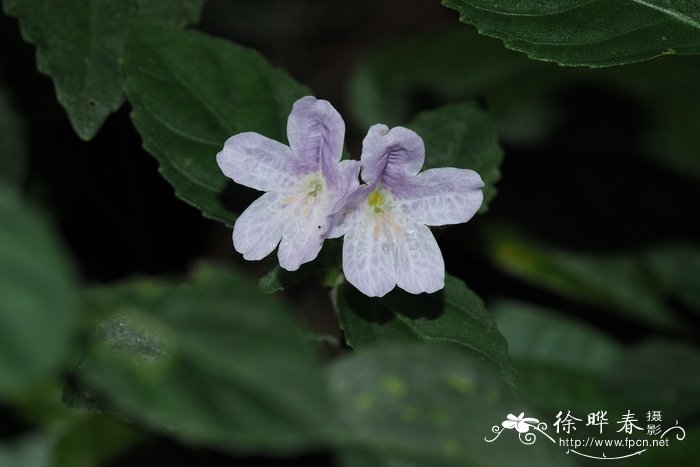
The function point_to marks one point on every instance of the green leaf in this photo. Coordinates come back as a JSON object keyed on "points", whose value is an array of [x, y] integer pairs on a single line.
{"points": [[205, 363], [560, 362], [92, 440], [416, 405], [393, 82], [80, 44], [184, 118], [29, 451], [327, 263], [463, 136], [618, 283], [659, 375], [40, 303], [12, 146], [454, 318], [676, 270], [587, 32]]}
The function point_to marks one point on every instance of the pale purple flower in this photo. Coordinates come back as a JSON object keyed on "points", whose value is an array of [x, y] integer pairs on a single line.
{"points": [[304, 183], [387, 239]]}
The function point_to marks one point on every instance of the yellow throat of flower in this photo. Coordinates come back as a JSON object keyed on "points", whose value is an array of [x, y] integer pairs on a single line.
{"points": [[314, 187], [376, 201]]}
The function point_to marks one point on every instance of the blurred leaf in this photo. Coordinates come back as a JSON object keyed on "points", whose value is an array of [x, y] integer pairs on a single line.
{"points": [[676, 270], [462, 136], [678, 453], [416, 405], [401, 78], [184, 118], [30, 451], [212, 363], [80, 44], [560, 362], [12, 146], [454, 318], [587, 32], [617, 283], [92, 440], [78, 438], [39, 305], [659, 375]]}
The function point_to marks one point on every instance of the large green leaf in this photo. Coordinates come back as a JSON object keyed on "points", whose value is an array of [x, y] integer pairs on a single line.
{"points": [[659, 375], [560, 362], [416, 405], [620, 283], [184, 118], [80, 44], [214, 362], [588, 32], [676, 270], [39, 301], [454, 317], [463, 136], [12, 146], [30, 451], [395, 81]]}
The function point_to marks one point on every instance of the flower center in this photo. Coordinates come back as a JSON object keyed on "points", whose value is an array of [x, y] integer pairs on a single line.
{"points": [[376, 201], [314, 187]]}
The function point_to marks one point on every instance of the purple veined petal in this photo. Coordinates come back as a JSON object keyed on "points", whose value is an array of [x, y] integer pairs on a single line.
{"points": [[420, 267], [346, 198], [259, 228], [307, 222], [258, 162], [440, 196], [316, 132], [368, 256], [390, 155]]}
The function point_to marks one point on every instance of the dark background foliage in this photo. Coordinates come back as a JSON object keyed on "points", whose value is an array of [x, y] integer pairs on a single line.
{"points": [[587, 187]]}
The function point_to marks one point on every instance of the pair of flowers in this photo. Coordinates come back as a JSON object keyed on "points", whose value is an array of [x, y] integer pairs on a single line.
{"points": [[381, 204]]}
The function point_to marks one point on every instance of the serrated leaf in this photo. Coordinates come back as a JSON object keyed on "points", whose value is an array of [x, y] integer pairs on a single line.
{"points": [[619, 283], [184, 118], [395, 81], [561, 362], [454, 318], [416, 405], [80, 44], [587, 32], [463, 136], [203, 363], [13, 163], [40, 303]]}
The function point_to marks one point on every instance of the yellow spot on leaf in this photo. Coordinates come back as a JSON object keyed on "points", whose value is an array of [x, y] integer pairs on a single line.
{"points": [[394, 386]]}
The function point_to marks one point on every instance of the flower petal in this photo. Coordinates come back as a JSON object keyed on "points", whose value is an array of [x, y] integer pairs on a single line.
{"points": [[259, 228], [258, 162], [303, 233], [509, 424], [316, 132], [419, 264], [390, 155], [368, 256], [440, 196]]}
